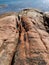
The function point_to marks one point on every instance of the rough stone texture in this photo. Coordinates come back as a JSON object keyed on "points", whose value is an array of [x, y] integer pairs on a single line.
{"points": [[31, 29], [33, 45], [7, 39]]}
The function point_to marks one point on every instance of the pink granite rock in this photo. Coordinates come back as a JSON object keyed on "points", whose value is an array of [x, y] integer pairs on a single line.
{"points": [[8, 39], [24, 39]]}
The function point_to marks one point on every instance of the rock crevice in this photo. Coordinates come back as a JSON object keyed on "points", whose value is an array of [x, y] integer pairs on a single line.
{"points": [[24, 38]]}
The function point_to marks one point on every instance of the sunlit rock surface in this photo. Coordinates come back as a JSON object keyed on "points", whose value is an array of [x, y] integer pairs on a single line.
{"points": [[8, 37], [24, 38]]}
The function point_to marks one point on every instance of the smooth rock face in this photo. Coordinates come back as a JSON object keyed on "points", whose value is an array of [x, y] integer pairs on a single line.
{"points": [[24, 39]]}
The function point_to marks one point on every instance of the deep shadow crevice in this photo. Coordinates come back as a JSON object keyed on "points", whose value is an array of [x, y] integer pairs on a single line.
{"points": [[12, 62], [46, 23]]}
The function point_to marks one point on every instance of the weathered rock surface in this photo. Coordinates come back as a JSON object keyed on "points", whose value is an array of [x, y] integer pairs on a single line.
{"points": [[24, 39], [7, 39]]}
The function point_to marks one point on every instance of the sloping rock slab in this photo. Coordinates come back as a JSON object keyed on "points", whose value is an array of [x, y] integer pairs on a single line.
{"points": [[7, 39]]}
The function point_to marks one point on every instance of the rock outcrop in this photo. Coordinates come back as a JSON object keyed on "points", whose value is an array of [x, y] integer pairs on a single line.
{"points": [[24, 38], [8, 39]]}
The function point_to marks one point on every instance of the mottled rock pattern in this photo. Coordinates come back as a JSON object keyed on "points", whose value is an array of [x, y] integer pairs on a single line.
{"points": [[25, 39], [7, 39], [33, 45]]}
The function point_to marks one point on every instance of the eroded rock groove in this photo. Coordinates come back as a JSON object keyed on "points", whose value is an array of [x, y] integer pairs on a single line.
{"points": [[24, 38]]}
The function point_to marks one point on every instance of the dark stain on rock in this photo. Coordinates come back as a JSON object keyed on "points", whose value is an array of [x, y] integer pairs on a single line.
{"points": [[36, 60], [24, 37], [42, 62]]}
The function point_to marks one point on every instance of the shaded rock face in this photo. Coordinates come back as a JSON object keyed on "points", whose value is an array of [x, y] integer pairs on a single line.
{"points": [[24, 40]]}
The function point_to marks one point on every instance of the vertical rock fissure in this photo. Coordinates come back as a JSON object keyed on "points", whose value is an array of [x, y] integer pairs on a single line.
{"points": [[12, 62], [23, 29]]}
